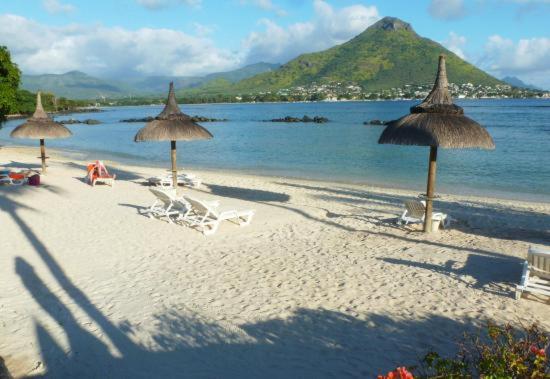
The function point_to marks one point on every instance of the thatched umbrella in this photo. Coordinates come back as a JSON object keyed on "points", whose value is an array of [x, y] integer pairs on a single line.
{"points": [[172, 125], [436, 122], [41, 126]]}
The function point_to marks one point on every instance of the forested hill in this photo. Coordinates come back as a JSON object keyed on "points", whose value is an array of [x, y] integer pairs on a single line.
{"points": [[388, 54]]}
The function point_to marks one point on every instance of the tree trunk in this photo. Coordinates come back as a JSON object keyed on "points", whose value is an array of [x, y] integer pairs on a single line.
{"points": [[430, 190]]}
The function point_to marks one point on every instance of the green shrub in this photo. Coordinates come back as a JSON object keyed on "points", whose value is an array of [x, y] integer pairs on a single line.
{"points": [[503, 353]]}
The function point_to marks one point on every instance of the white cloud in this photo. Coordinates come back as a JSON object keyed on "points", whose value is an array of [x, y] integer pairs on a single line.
{"points": [[161, 4], [329, 27], [55, 6], [266, 5], [447, 9], [456, 44], [110, 51], [528, 58], [116, 51]]}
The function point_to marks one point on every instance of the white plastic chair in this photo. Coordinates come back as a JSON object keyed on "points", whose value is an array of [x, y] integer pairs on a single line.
{"points": [[189, 180], [167, 205], [415, 212], [536, 273], [207, 218]]}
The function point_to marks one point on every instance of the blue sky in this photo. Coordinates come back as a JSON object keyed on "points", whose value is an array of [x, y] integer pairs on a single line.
{"points": [[115, 38]]}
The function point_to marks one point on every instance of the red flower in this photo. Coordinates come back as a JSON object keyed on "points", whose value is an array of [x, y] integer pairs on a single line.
{"points": [[541, 353], [399, 373], [404, 373], [534, 349]]}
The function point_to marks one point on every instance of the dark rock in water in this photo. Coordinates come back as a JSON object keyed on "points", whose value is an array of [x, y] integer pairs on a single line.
{"points": [[91, 121], [73, 121], [316, 119], [375, 122], [193, 118], [207, 119], [143, 119]]}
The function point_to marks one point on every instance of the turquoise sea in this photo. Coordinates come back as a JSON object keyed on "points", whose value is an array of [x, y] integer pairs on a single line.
{"points": [[342, 150]]}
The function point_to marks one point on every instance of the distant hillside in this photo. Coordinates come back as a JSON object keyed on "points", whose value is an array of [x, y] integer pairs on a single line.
{"points": [[74, 85], [516, 82], [387, 54], [78, 85], [159, 84]]}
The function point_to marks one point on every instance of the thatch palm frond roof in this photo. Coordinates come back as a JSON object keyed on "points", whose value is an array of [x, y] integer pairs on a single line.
{"points": [[172, 125], [40, 125], [437, 122]]}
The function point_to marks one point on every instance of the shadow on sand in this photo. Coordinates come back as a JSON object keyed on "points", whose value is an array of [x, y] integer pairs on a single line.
{"points": [[120, 174], [491, 271], [488, 220], [248, 194], [187, 342]]}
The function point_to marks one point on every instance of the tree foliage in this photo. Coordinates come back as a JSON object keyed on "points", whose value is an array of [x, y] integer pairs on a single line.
{"points": [[9, 82]]}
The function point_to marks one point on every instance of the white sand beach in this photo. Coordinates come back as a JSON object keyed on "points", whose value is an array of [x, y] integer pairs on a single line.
{"points": [[321, 284]]}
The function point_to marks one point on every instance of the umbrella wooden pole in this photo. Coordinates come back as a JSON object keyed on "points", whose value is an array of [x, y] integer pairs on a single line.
{"points": [[430, 190], [174, 168], [43, 155]]}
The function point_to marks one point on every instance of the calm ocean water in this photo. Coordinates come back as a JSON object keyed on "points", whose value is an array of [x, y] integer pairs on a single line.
{"points": [[342, 150]]}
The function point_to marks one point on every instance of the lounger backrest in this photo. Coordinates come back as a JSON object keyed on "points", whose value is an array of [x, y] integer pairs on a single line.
{"points": [[162, 196], [539, 260], [102, 170], [199, 207], [415, 209]]}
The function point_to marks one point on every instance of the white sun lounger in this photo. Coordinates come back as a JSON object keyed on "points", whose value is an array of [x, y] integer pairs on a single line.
{"points": [[189, 180], [206, 216], [415, 211], [14, 182], [536, 273], [167, 205]]}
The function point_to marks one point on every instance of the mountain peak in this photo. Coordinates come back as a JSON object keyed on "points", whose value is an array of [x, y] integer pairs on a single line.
{"points": [[391, 24]]}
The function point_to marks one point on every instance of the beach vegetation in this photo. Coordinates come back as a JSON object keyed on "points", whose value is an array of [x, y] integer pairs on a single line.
{"points": [[25, 103], [503, 352], [10, 75]]}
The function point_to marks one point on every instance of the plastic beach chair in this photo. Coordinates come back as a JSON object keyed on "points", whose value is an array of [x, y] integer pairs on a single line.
{"points": [[536, 273], [415, 212], [206, 216], [97, 173]]}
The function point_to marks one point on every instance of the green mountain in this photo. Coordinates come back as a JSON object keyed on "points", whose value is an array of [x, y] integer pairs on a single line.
{"points": [[387, 54], [74, 85], [78, 85]]}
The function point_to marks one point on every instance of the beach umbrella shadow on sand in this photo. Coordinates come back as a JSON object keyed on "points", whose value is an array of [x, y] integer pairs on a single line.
{"points": [[172, 125], [436, 122], [40, 126]]}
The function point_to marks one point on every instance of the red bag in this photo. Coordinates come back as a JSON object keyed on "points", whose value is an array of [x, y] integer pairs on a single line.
{"points": [[34, 180]]}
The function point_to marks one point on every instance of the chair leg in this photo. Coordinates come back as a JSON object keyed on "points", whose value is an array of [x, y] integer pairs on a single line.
{"points": [[213, 228], [524, 280]]}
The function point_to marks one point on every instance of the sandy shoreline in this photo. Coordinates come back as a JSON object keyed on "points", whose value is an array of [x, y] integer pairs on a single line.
{"points": [[321, 284], [470, 193]]}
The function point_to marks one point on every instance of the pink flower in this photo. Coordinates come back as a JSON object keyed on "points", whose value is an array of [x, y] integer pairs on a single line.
{"points": [[541, 353]]}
